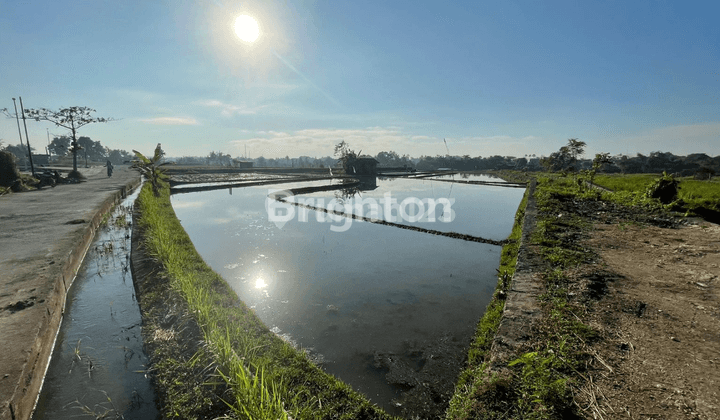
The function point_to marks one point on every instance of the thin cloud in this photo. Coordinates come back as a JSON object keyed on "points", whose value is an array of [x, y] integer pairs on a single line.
{"points": [[171, 121], [373, 140], [321, 141], [229, 110]]}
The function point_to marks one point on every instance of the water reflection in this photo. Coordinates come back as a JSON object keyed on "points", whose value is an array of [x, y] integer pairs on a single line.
{"points": [[462, 176], [477, 210], [352, 298]]}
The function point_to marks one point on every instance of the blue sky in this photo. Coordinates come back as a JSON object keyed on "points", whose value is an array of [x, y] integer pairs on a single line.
{"points": [[508, 78]]}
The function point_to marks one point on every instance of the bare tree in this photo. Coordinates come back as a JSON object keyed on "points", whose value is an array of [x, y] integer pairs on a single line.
{"points": [[71, 118]]}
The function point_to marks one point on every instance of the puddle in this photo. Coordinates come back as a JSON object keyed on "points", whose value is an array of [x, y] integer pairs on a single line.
{"points": [[386, 310], [98, 364]]}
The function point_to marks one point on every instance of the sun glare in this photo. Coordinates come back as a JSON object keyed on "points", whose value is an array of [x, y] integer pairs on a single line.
{"points": [[246, 28], [260, 283]]}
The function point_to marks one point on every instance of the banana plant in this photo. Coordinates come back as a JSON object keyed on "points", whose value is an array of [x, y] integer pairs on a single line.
{"points": [[150, 167]]}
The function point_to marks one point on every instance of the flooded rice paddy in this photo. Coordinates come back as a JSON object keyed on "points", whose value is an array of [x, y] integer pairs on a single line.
{"points": [[97, 369], [387, 310], [474, 210]]}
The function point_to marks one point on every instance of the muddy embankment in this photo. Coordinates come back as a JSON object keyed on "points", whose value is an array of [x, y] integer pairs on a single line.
{"points": [[521, 304]]}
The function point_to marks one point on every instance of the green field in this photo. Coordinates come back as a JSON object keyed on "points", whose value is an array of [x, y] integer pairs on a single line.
{"points": [[630, 182], [700, 193], [693, 193]]}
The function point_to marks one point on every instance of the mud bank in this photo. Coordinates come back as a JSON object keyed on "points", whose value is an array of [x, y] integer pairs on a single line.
{"points": [[521, 304]]}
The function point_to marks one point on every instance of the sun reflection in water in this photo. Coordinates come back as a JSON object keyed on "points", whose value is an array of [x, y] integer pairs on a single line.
{"points": [[260, 283]]}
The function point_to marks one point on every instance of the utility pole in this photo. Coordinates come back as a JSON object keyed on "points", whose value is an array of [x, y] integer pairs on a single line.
{"points": [[22, 109], [17, 118]]}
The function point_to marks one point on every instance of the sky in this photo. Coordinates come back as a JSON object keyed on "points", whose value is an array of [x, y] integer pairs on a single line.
{"points": [[510, 78]]}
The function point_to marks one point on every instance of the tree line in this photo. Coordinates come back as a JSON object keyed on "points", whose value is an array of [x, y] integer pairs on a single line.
{"points": [[60, 146], [568, 158]]}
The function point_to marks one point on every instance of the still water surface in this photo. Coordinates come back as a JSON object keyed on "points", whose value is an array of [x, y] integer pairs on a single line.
{"points": [[349, 296], [477, 210], [97, 369]]}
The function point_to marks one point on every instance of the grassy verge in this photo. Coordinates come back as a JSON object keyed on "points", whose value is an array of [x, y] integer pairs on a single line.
{"points": [[544, 377], [472, 387], [265, 377]]}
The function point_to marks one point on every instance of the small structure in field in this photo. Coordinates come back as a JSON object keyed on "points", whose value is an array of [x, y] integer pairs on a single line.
{"points": [[363, 165], [242, 164]]}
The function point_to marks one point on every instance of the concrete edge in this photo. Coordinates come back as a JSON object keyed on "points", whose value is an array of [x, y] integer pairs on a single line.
{"points": [[23, 400], [522, 307]]}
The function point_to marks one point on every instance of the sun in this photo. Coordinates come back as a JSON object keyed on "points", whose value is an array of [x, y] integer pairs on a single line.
{"points": [[246, 28]]}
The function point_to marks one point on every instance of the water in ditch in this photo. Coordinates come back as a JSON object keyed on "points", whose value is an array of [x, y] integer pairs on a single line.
{"points": [[387, 310], [98, 364]]}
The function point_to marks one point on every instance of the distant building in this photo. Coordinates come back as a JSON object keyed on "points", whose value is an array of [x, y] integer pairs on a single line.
{"points": [[364, 165], [242, 164]]}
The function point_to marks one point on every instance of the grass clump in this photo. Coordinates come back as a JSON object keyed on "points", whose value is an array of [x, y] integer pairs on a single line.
{"points": [[257, 375]]}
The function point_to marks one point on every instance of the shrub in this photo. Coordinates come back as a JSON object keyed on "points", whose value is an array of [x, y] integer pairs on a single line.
{"points": [[9, 174], [664, 189]]}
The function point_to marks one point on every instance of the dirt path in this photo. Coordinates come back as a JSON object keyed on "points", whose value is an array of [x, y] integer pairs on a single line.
{"points": [[661, 320]]}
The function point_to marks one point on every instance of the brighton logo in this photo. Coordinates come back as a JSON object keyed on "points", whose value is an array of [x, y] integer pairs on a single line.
{"points": [[282, 206]]}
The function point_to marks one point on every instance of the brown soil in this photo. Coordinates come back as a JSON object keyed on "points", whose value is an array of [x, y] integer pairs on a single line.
{"points": [[657, 307]]}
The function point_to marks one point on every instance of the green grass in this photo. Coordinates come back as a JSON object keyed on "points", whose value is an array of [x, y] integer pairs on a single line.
{"points": [[700, 193], [268, 379], [630, 189], [628, 182]]}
